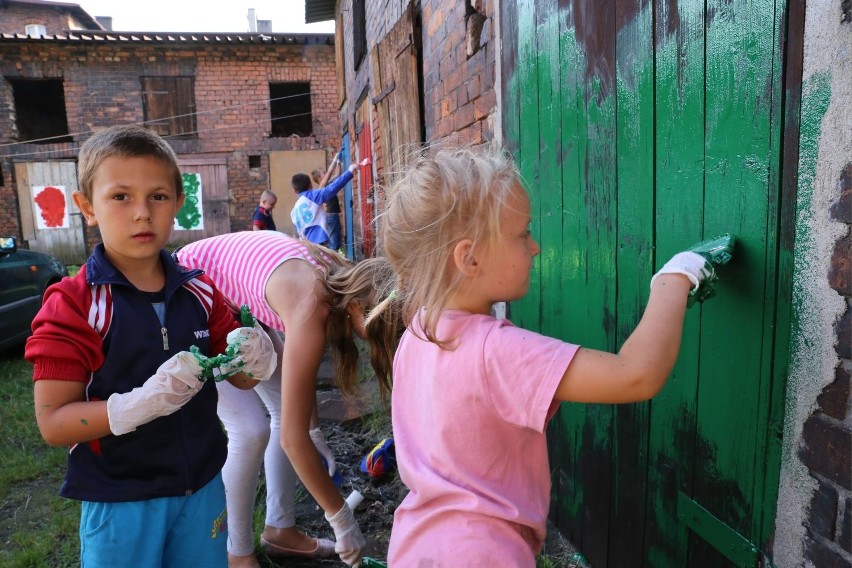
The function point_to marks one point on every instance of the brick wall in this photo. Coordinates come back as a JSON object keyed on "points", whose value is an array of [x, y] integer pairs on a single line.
{"points": [[102, 88], [459, 90], [15, 17], [827, 435]]}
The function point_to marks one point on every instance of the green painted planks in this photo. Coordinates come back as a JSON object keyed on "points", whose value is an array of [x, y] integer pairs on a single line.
{"points": [[635, 232], [739, 48], [679, 129]]}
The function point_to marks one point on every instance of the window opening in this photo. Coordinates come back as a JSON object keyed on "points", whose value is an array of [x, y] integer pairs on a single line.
{"points": [[359, 32], [254, 161], [40, 110], [290, 109]]}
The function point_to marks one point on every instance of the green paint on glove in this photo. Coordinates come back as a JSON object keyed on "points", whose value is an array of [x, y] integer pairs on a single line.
{"points": [[716, 251], [210, 365]]}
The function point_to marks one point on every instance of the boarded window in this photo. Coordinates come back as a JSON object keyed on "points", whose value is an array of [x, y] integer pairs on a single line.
{"points": [[359, 32], [169, 104], [340, 59], [40, 110], [290, 109]]}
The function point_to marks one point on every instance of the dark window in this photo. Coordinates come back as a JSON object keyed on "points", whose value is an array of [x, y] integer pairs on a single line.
{"points": [[40, 110], [254, 161], [359, 32], [169, 104], [290, 109]]}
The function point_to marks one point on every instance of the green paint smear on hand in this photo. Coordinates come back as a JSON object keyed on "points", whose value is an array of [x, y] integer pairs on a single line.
{"points": [[211, 366]]}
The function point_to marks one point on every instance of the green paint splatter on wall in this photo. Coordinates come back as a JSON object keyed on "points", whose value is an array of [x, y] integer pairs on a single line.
{"points": [[190, 215], [816, 96]]}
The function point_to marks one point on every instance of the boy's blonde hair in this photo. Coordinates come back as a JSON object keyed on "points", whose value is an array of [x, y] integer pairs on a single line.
{"points": [[268, 195], [442, 197], [127, 142]]}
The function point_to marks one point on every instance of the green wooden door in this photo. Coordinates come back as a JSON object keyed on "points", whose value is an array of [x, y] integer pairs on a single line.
{"points": [[640, 128]]}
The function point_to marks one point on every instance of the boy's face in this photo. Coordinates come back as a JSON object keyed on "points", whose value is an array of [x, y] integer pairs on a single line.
{"points": [[268, 204], [134, 203]]}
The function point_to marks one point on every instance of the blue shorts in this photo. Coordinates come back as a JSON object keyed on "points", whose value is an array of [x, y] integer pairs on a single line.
{"points": [[174, 532]]}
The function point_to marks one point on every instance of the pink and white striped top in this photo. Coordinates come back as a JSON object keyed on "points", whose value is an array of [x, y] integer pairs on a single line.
{"points": [[241, 263]]}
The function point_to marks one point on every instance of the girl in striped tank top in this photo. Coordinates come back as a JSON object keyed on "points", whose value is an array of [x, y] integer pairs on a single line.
{"points": [[316, 297]]}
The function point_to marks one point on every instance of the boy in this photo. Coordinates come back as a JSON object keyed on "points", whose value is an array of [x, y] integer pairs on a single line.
{"points": [[332, 206], [307, 214], [113, 376], [262, 218]]}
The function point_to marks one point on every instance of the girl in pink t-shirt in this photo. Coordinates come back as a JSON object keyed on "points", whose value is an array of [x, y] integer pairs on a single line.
{"points": [[472, 394]]}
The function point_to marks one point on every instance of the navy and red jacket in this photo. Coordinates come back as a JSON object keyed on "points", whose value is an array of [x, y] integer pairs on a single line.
{"points": [[99, 329]]}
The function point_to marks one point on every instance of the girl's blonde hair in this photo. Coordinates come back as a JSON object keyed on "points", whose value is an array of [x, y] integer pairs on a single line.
{"points": [[442, 197], [369, 282]]}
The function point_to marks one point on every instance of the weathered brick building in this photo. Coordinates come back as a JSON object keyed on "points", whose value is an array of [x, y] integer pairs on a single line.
{"points": [[407, 73], [243, 111]]}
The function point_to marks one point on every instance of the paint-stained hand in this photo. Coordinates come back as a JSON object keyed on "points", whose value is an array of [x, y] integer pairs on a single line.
{"points": [[173, 385], [254, 353]]}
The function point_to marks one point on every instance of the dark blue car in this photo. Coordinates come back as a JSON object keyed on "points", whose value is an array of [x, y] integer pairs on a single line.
{"points": [[24, 276]]}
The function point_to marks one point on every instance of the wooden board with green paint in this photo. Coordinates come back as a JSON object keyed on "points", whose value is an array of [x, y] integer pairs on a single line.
{"points": [[642, 127]]}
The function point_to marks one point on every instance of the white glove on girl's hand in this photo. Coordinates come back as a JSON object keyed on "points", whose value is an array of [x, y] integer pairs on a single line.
{"points": [[174, 383], [255, 354], [322, 447], [350, 542], [690, 264]]}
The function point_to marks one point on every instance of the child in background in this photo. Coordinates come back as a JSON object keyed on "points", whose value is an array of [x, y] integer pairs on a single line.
{"points": [[261, 219], [316, 298], [114, 378], [308, 215], [332, 206], [472, 394]]}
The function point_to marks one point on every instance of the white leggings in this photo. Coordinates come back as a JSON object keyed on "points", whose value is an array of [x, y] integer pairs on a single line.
{"points": [[252, 419]]}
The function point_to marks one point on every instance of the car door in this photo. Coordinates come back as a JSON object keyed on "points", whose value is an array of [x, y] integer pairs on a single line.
{"points": [[19, 296]]}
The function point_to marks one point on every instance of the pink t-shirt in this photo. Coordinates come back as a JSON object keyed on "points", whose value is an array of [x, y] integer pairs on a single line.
{"points": [[469, 428], [241, 263]]}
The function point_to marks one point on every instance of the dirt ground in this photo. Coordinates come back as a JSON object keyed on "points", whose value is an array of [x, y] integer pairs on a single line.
{"points": [[350, 441]]}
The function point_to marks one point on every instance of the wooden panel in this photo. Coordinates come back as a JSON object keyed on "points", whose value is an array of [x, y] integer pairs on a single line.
{"points": [[282, 166], [679, 60], [214, 199], [66, 244], [732, 440], [366, 194], [635, 229], [645, 127], [396, 94]]}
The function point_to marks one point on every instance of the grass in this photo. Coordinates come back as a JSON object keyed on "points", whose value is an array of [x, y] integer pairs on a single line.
{"points": [[37, 527]]}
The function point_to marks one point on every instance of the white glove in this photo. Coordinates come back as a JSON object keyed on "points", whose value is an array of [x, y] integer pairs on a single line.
{"points": [[174, 383], [255, 354], [322, 447], [363, 163], [350, 542], [690, 264]]}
